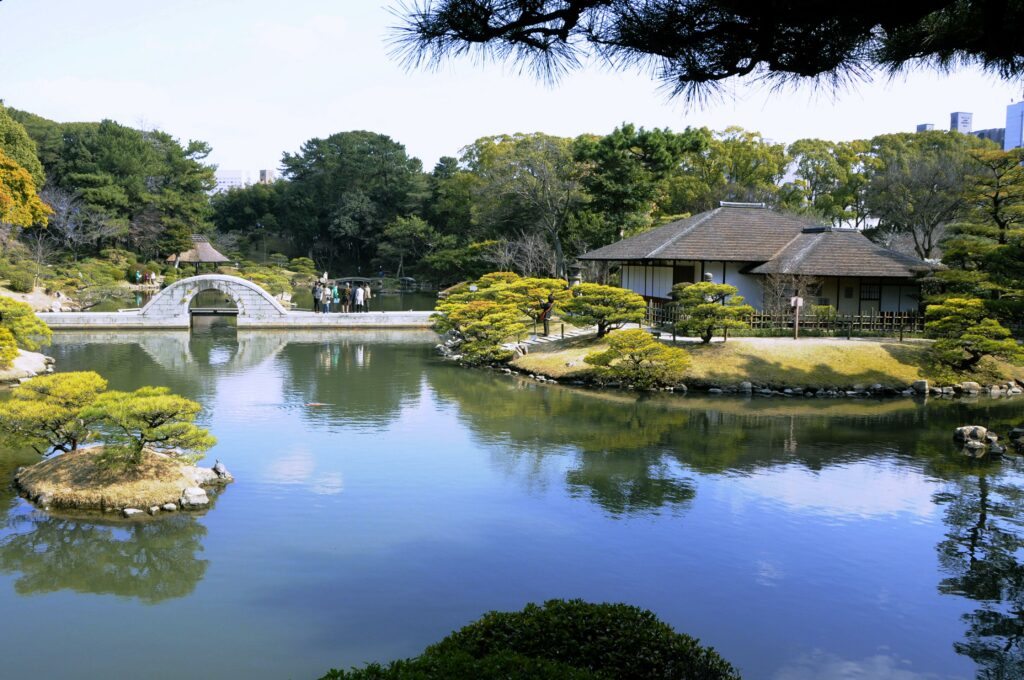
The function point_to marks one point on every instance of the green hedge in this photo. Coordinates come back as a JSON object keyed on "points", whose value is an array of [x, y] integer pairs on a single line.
{"points": [[561, 639]]}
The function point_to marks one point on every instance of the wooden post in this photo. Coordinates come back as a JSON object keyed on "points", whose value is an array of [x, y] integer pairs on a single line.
{"points": [[796, 324]]}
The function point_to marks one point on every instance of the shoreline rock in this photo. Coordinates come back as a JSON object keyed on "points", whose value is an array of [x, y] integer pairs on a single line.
{"points": [[919, 389]]}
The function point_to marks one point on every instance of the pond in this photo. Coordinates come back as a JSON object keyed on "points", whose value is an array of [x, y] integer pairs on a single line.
{"points": [[800, 538]]}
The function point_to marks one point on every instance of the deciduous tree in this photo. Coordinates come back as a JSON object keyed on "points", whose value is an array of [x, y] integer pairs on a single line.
{"points": [[527, 183], [919, 187]]}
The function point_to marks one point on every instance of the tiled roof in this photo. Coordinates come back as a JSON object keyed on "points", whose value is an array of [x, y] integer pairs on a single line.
{"points": [[735, 233], [840, 252]]}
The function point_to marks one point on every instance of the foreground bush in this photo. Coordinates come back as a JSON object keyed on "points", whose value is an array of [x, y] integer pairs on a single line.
{"points": [[635, 358], [483, 326], [571, 640]]}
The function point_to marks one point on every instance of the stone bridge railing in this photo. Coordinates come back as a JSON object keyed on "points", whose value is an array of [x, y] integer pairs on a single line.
{"points": [[256, 309]]}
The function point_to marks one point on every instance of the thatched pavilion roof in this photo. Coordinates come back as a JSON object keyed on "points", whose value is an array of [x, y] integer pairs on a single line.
{"points": [[201, 252]]}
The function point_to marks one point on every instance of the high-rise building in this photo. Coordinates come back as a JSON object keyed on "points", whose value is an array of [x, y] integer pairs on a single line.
{"points": [[925, 127], [237, 179], [1014, 126], [994, 134], [960, 121], [231, 179]]}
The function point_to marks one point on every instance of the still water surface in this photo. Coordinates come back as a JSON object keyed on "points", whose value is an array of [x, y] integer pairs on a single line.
{"points": [[818, 539]]}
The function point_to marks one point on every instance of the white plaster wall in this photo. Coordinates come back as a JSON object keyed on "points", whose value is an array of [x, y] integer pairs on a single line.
{"points": [[648, 281], [849, 305], [749, 284], [890, 301]]}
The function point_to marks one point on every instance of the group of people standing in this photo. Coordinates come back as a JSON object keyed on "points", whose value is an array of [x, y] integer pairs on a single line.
{"points": [[343, 299]]}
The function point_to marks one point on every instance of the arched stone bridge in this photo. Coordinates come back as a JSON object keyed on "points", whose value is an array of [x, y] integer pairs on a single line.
{"points": [[172, 303], [256, 309]]}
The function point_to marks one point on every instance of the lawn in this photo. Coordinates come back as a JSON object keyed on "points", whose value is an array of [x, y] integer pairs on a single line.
{"points": [[809, 362]]}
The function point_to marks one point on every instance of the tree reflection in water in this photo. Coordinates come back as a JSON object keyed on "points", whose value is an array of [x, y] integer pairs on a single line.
{"points": [[627, 484], [982, 555], [152, 561]]}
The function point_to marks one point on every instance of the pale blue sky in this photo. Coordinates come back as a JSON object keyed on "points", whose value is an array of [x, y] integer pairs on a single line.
{"points": [[257, 78]]}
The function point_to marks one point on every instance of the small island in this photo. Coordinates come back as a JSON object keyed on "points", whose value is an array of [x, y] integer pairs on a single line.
{"points": [[109, 451]]}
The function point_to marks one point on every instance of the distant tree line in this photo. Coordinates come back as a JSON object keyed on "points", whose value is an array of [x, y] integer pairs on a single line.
{"points": [[357, 202], [533, 202]]}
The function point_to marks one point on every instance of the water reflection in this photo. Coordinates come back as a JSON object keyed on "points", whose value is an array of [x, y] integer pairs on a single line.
{"points": [[981, 557], [630, 484], [341, 378], [148, 561]]}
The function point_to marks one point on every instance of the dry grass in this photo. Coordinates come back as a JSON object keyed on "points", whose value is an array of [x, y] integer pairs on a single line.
{"points": [[809, 362], [75, 480]]}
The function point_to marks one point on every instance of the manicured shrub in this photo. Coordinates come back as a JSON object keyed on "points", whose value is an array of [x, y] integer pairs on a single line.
{"points": [[607, 307], [462, 666], [706, 307], [826, 313], [561, 639], [303, 265], [46, 413], [8, 348], [150, 418], [483, 325], [964, 335], [494, 310], [17, 317], [635, 358]]}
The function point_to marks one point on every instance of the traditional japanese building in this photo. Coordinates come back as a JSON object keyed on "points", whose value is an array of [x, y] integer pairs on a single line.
{"points": [[746, 244]]}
